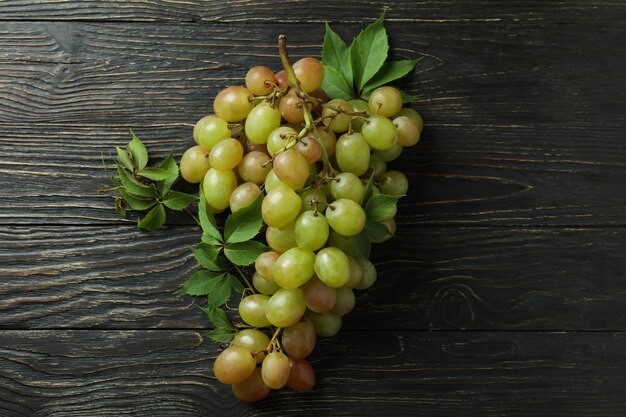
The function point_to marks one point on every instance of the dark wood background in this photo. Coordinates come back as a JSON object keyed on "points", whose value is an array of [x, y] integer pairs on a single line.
{"points": [[504, 293]]}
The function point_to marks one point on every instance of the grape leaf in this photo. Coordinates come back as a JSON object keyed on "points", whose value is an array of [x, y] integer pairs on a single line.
{"points": [[245, 223], [169, 164], [133, 186], [124, 159], [220, 335], [138, 152], [335, 54], [223, 330], [390, 71], [376, 232], [406, 98], [176, 200], [224, 285], [210, 233], [136, 203], [244, 253], [368, 52], [362, 245], [335, 85], [380, 207], [207, 258], [154, 219], [157, 174], [200, 283], [369, 190]]}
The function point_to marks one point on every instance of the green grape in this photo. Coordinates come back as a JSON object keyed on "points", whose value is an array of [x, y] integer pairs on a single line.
{"points": [[318, 296], [342, 242], [194, 164], [281, 239], [379, 132], [356, 273], [272, 182], [346, 217], [286, 307], [302, 375], [264, 264], [293, 268], [359, 105], [393, 183], [377, 165], [311, 230], [335, 121], [345, 301], [413, 115], [369, 273], [352, 153], [280, 207], [309, 196], [243, 195], [291, 168], [347, 185], [332, 267], [326, 324], [281, 138], [290, 107], [261, 121], [252, 310], [217, 187], [233, 103], [407, 132], [253, 389], [254, 167], [309, 148], [263, 285], [310, 73], [386, 101], [299, 339], [389, 154], [226, 154], [209, 130], [275, 370], [255, 340], [260, 80], [233, 365]]}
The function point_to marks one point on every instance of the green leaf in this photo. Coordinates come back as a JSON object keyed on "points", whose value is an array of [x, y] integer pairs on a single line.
{"points": [[176, 200], [221, 335], [210, 233], [207, 258], [217, 317], [369, 52], [244, 253], [133, 186], [220, 293], [169, 165], [369, 190], [389, 72], [362, 245], [236, 283], [157, 174], [407, 98], [376, 232], [200, 283], [335, 85], [154, 219], [380, 207], [335, 54], [136, 203], [124, 159], [245, 223], [138, 152]]}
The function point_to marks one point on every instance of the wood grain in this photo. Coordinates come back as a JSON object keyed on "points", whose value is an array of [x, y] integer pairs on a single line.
{"points": [[430, 277], [166, 373]]}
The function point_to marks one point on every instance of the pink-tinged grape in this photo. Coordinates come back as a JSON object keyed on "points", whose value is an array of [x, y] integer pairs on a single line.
{"points": [[294, 267], [386, 101], [359, 105], [280, 207], [280, 139], [326, 324], [209, 130], [261, 121], [253, 389], [369, 273], [263, 285], [252, 310], [393, 183], [352, 153], [377, 165], [251, 146], [281, 239], [290, 107], [255, 340], [272, 182], [346, 217], [379, 132], [347, 185], [286, 307], [356, 273], [413, 115], [226, 154], [407, 132], [254, 167], [243, 195], [329, 139], [310, 73], [311, 230], [234, 364], [260, 80], [194, 164], [309, 195], [265, 262], [342, 242], [309, 148], [233, 103], [275, 370], [302, 375], [389, 154], [299, 339], [337, 121], [282, 79], [291, 168], [345, 301], [217, 187], [318, 296], [332, 267]]}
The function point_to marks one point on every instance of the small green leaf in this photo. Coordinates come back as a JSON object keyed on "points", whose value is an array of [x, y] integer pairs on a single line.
{"points": [[368, 52], [244, 253], [389, 72], [380, 207], [220, 293], [207, 259], [407, 98], [124, 159], [221, 335], [169, 165], [136, 203], [210, 233], [376, 232], [200, 283], [217, 317], [335, 85], [154, 219], [335, 54], [157, 174], [133, 186], [245, 223], [176, 200], [236, 283], [362, 245], [369, 190], [138, 152]]}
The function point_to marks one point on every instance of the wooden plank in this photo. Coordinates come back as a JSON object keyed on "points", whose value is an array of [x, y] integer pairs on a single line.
{"points": [[166, 373], [429, 278]]}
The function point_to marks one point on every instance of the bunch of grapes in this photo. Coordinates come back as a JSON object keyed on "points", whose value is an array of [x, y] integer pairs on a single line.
{"points": [[311, 159]]}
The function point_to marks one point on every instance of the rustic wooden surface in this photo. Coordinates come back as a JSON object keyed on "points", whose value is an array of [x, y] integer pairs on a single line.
{"points": [[504, 293]]}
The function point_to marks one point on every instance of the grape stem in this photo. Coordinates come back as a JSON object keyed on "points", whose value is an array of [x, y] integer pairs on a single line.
{"points": [[244, 278], [270, 346]]}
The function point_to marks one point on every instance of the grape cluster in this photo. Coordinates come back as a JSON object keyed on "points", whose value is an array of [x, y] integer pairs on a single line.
{"points": [[311, 158]]}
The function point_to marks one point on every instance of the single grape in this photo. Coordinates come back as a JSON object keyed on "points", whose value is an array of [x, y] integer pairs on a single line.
{"points": [[369, 273], [337, 121], [255, 340], [233, 103], [275, 370], [217, 187], [356, 273], [347, 185], [282, 79], [326, 324], [359, 105], [379, 132], [265, 262], [254, 167], [290, 107], [311, 230], [209, 130], [407, 132], [253, 389], [302, 375], [309, 148], [291, 168], [377, 165], [413, 115], [194, 164], [310, 73], [345, 301], [281, 239], [389, 154], [299, 339], [261, 121], [226, 154], [243, 195], [393, 183], [263, 285], [352, 153], [252, 310], [386, 101], [293, 268], [280, 139], [260, 80], [280, 206], [318, 296], [286, 307], [234, 364], [309, 196], [332, 267], [346, 217]]}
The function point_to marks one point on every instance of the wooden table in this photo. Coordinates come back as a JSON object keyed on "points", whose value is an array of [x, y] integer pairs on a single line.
{"points": [[503, 294]]}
